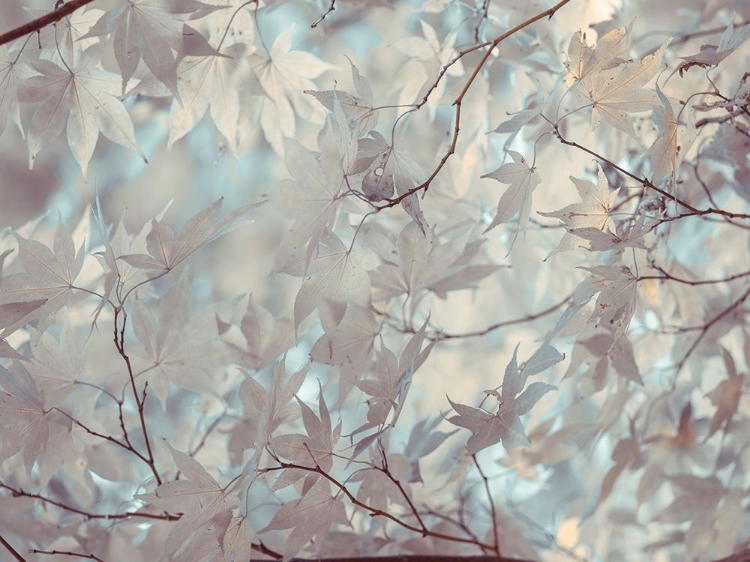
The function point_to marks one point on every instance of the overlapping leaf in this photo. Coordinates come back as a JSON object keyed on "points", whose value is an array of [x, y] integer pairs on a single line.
{"points": [[517, 198], [197, 496], [616, 90], [23, 419], [359, 110], [166, 250], [592, 212], [505, 424], [212, 83], [148, 30], [391, 171], [316, 449], [307, 517], [10, 76], [46, 284], [674, 139], [336, 273], [81, 99], [284, 75], [425, 262]]}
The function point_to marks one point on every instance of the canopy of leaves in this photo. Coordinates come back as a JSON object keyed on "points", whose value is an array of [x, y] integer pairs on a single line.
{"points": [[374, 363]]}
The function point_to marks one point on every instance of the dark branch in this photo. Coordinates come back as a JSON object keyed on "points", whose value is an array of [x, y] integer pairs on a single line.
{"points": [[42, 22], [13, 551]]}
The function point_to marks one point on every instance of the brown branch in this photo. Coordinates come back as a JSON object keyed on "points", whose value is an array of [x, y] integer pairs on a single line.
{"points": [[20, 493], [650, 185], [127, 446], [493, 512], [694, 282], [66, 553], [13, 552], [375, 512], [331, 8], [704, 330], [384, 469], [439, 335], [44, 21], [419, 558], [140, 403]]}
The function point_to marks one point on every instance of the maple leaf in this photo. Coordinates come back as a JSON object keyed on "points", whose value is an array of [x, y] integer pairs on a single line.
{"points": [[349, 341], [120, 276], [423, 440], [309, 516], [179, 345], [389, 170], [592, 212], [313, 197], [238, 540], [198, 497], [505, 424], [623, 454], [66, 40], [57, 363], [266, 337], [377, 490], [336, 273], [615, 304], [225, 20], [628, 236], [517, 198], [619, 90], [214, 82], [712, 55], [584, 61], [316, 448], [674, 139], [46, 284], [80, 97], [602, 350], [11, 73], [23, 418], [547, 449], [148, 30], [426, 57], [166, 250], [358, 110], [272, 405], [701, 495], [284, 75], [424, 262], [393, 381], [726, 396]]}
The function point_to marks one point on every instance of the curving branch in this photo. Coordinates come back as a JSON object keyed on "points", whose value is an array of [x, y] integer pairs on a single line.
{"points": [[42, 22]]}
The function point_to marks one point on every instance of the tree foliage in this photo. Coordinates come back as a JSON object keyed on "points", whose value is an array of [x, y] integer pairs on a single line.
{"points": [[481, 289]]}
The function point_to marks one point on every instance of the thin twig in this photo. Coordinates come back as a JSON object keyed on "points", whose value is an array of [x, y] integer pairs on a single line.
{"points": [[66, 553], [120, 345], [650, 185], [19, 492], [704, 330], [493, 512], [375, 512], [323, 16]]}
